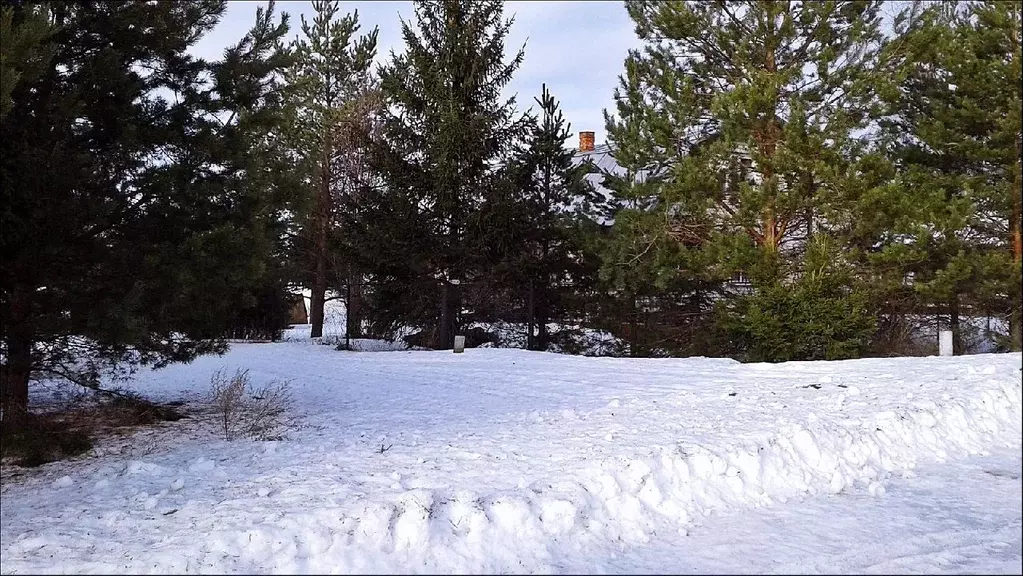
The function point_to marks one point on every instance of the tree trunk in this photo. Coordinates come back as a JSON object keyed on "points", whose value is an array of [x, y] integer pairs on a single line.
{"points": [[450, 303], [359, 306], [353, 307], [15, 372], [954, 324], [766, 136], [543, 310], [348, 312], [14, 384], [543, 313], [635, 350], [320, 229], [443, 334], [1016, 314], [319, 290], [531, 314], [542, 318], [455, 311]]}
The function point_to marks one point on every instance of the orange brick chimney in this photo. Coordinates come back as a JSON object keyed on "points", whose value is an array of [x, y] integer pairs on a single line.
{"points": [[585, 141]]}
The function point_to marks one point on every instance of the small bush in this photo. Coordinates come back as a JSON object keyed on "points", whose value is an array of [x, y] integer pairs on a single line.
{"points": [[822, 315], [243, 410]]}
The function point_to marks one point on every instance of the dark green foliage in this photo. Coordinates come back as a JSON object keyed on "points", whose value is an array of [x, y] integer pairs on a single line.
{"points": [[740, 115], [950, 215], [735, 126], [142, 190], [266, 318], [530, 219], [445, 129], [24, 48], [822, 315]]}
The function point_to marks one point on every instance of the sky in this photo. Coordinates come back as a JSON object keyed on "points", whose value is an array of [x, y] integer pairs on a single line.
{"points": [[577, 48]]}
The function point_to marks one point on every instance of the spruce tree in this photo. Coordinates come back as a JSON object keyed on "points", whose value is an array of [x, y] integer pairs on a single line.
{"points": [[740, 117], [332, 73], [134, 223], [551, 188], [445, 132]]}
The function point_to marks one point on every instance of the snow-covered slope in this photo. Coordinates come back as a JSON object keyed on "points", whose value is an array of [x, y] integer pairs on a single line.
{"points": [[496, 460]]}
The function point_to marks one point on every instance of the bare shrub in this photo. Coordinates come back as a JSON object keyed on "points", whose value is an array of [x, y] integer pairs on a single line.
{"points": [[125, 408], [73, 428], [246, 411]]}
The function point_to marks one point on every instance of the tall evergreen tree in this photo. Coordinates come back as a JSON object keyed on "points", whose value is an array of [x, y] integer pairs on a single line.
{"points": [[359, 125], [332, 74], [446, 130], [953, 134], [551, 189], [133, 227], [257, 166], [741, 118]]}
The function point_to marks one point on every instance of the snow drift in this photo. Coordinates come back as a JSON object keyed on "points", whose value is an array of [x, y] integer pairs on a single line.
{"points": [[499, 460]]}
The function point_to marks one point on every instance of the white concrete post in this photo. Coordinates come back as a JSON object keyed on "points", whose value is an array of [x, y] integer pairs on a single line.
{"points": [[945, 343], [459, 344]]}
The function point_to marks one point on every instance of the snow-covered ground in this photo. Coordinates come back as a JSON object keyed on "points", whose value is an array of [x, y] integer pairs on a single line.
{"points": [[501, 460], [958, 517]]}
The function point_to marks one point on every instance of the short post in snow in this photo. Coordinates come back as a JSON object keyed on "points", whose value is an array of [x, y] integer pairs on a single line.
{"points": [[459, 344], [945, 343]]}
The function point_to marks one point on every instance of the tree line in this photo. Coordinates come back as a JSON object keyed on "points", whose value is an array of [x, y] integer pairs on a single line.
{"points": [[793, 180]]}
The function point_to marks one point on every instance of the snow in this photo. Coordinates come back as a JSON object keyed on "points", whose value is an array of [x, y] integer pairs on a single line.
{"points": [[961, 516], [501, 460]]}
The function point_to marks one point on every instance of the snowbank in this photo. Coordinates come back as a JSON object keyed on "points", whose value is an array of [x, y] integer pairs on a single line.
{"points": [[962, 516], [498, 460]]}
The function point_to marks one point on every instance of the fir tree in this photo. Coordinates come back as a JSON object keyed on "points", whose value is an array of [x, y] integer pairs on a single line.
{"points": [[551, 190], [257, 164], [446, 130]]}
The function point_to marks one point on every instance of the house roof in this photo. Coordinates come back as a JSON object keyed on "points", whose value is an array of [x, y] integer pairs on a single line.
{"points": [[602, 158]]}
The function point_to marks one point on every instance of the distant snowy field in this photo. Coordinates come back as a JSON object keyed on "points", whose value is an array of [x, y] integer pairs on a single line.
{"points": [[500, 460]]}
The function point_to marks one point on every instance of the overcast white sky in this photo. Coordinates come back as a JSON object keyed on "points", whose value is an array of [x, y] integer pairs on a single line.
{"points": [[578, 48]]}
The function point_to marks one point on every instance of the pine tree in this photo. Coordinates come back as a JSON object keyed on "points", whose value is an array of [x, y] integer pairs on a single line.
{"points": [[360, 124], [740, 118], [953, 128], [257, 163], [332, 75], [133, 225], [445, 133]]}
